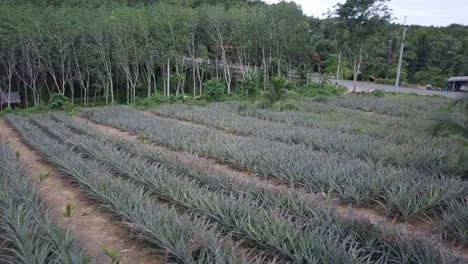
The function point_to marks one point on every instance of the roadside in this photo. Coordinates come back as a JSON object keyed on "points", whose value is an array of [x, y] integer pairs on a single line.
{"points": [[364, 87]]}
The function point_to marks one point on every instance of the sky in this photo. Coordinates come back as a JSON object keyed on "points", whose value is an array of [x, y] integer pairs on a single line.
{"points": [[419, 12]]}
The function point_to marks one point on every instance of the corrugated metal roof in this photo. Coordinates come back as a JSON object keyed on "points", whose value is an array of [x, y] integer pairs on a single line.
{"points": [[458, 79], [13, 97]]}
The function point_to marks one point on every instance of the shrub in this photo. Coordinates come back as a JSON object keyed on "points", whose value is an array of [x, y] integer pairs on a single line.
{"points": [[378, 93], [9, 110], [173, 99], [146, 102], [213, 90], [59, 102]]}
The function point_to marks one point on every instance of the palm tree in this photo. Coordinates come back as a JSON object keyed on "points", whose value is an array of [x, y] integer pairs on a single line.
{"points": [[277, 96], [456, 124]]}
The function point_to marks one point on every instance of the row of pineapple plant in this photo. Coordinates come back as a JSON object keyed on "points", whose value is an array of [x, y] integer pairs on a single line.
{"points": [[402, 192], [365, 147], [113, 151], [184, 238], [29, 233]]}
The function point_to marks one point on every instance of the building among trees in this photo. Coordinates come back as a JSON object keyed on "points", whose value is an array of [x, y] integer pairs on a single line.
{"points": [[459, 83], [9, 99]]}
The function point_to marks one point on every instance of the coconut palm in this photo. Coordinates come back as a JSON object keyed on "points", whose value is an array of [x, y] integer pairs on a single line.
{"points": [[455, 124], [277, 96]]}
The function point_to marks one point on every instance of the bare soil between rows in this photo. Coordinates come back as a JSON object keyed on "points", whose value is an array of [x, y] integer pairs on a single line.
{"points": [[95, 228], [415, 228], [243, 247]]}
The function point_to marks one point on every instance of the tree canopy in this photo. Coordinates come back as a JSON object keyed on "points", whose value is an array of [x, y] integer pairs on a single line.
{"points": [[118, 50]]}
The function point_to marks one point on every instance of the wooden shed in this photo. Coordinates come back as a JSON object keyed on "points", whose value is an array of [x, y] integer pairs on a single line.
{"points": [[11, 98]]}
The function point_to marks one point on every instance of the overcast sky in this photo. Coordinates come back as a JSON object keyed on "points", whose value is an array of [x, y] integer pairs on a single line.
{"points": [[421, 12]]}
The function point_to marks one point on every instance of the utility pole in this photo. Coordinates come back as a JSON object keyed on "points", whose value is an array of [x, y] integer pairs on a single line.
{"points": [[338, 70], [397, 81], [168, 76]]}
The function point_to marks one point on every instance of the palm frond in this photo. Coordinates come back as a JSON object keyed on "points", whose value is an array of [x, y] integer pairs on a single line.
{"points": [[278, 96], [463, 151], [449, 124], [461, 104]]}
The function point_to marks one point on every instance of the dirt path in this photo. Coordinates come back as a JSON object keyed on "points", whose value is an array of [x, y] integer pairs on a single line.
{"points": [[415, 228], [94, 227]]}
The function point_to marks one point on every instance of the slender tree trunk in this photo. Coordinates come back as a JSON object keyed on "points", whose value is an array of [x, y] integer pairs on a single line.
{"points": [[357, 68]]}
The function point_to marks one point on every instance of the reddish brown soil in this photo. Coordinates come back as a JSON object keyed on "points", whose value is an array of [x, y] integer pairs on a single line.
{"points": [[243, 246], [94, 227], [376, 216]]}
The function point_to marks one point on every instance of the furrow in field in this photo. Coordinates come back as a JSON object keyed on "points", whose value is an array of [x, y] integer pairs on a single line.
{"points": [[400, 107], [232, 212], [427, 158], [196, 163], [94, 226], [213, 143], [331, 118], [184, 238], [130, 171], [30, 233]]}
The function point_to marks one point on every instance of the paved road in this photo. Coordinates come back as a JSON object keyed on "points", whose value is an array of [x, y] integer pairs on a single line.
{"points": [[388, 88]]}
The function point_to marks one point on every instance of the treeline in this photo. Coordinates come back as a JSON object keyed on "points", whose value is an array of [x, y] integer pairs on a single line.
{"points": [[115, 51], [431, 54]]}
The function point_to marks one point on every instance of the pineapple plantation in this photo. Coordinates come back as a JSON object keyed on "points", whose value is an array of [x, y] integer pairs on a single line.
{"points": [[356, 179]]}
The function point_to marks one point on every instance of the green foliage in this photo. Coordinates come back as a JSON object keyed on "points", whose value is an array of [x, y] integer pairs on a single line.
{"points": [[213, 90], [249, 211], [455, 222], [105, 41], [181, 99], [68, 210], [278, 89], [432, 76], [393, 74], [132, 202], [456, 125], [41, 108], [297, 160], [59, 102], [113, 255], [317, 90], [378, 93], [8, 110], [28, 230], [277, 96], [153, 100], [252, 82], [44, 176]]}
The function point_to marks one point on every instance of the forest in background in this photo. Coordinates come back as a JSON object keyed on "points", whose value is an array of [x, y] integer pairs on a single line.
{"points": [[117, 51]]}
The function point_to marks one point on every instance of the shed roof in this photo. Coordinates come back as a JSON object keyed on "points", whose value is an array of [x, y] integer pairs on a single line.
{"points": [[458, 79], [13, 97]]}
